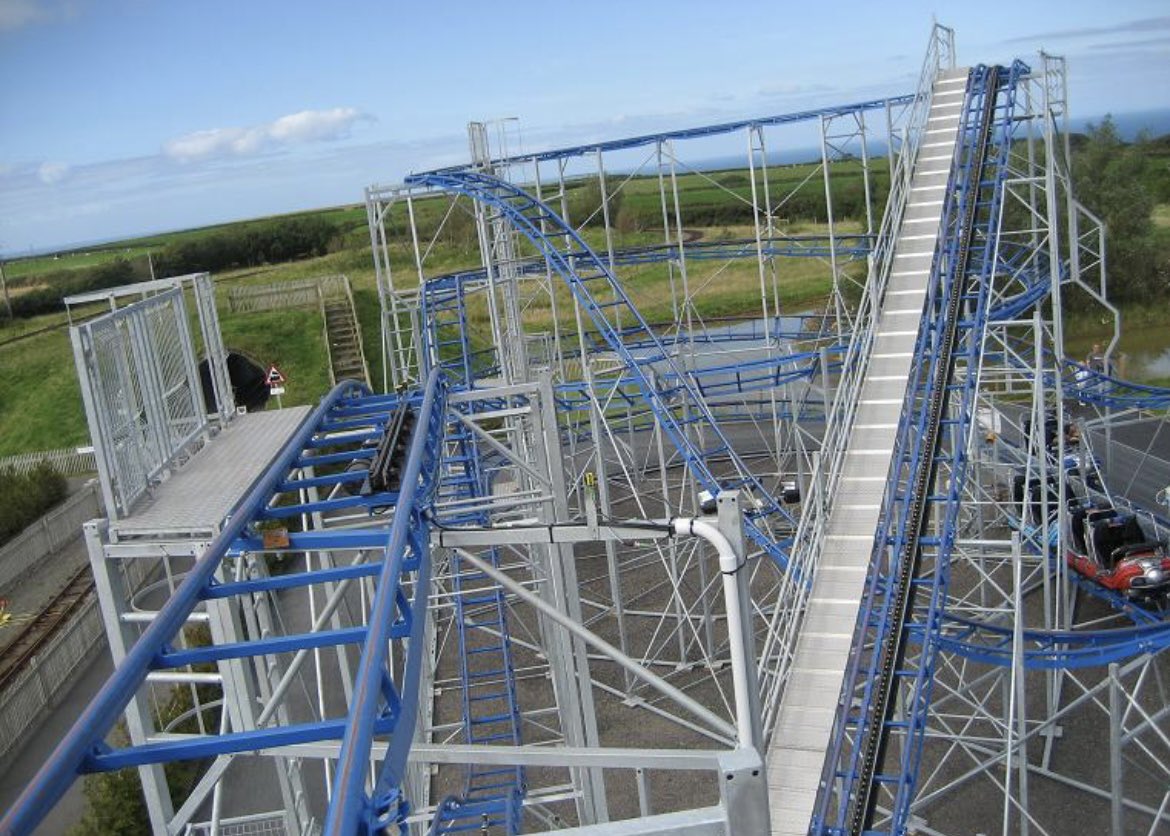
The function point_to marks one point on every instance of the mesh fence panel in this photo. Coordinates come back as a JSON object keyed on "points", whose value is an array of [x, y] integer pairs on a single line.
{"points": [[142, 392]]}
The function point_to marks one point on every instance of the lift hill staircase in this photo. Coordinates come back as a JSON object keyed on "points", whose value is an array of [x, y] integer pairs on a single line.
{"points": [[343, 336], [805, 722]]}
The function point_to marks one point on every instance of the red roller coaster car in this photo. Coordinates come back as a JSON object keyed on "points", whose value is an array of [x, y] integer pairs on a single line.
{"points": [[1109, 547]]}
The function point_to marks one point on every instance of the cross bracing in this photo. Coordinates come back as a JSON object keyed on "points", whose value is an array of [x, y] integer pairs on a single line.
{"points": [[541, 635]]}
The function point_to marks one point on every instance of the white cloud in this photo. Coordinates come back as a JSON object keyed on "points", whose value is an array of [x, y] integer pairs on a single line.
{"points": [[314, 125], [17, 13], [51, 172], [303, 127]]}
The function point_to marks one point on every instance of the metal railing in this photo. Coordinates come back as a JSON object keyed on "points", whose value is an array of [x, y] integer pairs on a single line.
{"points": [[827, 465], [33, 694], [257, 824], [142, 393], [279, 296]]}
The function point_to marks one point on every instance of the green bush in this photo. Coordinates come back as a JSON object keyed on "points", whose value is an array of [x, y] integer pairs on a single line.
{"points": [[115, 801], [249, 245], [585, 203], [24, 498], [57, 285]]}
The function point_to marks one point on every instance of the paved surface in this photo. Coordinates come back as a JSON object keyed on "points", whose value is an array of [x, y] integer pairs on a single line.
{"points": [[22, 766], [1136, 461]]}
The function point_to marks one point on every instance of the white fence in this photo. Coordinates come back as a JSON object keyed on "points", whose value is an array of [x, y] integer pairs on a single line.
{"points": [[29, 698], [295, 293], [33, 694], [70, 461], [48, 534]]}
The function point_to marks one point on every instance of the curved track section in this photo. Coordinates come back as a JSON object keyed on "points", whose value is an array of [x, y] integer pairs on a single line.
{"points": [[680, 409]]}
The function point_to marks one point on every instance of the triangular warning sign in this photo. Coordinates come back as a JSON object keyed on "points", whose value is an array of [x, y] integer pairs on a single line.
{"points": [[274, 376]]}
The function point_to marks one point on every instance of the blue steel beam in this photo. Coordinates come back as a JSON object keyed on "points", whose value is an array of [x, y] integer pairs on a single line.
{"points": [[351, 806], [991, 644], [386, 705], [86, 737], [195, 747], [296, 579], [692, 133], [274, 644]]}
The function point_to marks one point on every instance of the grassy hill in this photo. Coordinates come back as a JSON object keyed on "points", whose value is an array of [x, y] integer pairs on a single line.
{"points": [[40, 405]]}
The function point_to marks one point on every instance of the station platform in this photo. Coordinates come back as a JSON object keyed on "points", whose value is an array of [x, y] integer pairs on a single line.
{"points": [[197, 498]]}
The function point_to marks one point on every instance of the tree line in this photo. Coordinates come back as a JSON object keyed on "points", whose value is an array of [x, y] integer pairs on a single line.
{"points": [[1121, 183], [229, 248]]}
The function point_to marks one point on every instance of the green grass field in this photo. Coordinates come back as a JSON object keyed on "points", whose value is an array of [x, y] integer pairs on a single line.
{"points": [[40, 401], [40, 404]]}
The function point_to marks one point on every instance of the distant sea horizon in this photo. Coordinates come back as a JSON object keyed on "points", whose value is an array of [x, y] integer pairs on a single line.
{"points": [[1155, 122]]}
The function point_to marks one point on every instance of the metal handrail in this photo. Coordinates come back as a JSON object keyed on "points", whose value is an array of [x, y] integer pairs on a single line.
{"points": [[815, 511]]}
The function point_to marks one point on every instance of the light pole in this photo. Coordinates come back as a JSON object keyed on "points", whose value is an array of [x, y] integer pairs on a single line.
{"points": [[4, 290]]}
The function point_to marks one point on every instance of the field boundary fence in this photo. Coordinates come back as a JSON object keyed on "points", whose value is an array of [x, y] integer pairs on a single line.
{"points": [[48, 534], [278, 296], [68, 461], [37, 690]]}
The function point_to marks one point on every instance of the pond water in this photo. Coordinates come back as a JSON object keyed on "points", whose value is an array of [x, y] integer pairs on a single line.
{"points": [[1146, 350], [1142, 356]]}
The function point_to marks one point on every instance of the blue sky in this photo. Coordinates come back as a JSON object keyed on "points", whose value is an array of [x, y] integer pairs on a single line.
{"points": [[123, 117]]}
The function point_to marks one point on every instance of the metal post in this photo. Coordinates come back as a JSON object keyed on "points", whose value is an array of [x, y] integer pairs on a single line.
{"points": [[114, 598], [838, 308], [4, 290], [1116, 791], [577, 684], [730, 523]]}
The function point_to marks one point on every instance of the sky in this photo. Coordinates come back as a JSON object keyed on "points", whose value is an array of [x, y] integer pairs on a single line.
{"points": [[127, 117]]}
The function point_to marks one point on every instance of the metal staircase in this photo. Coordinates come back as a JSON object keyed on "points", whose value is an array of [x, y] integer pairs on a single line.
{"points": [[805, 723], [447, 335], [492, 795], [343, 337], [908, 566]]}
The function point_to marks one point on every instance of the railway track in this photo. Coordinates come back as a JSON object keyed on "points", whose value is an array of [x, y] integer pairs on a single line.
{"points": [[37, 632]]}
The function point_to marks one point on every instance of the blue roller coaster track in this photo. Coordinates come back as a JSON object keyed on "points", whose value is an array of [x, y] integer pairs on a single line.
{"points": [[692, 429], [429, 456], [385, 703]]}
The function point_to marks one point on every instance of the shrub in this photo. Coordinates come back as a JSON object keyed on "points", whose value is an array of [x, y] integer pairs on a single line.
{"points": [[115, 801], [24, 498], [57, 285]]}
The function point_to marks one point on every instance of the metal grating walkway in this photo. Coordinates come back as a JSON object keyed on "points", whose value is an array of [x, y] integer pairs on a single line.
{"points": [[197, 498], [805, 723]]}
